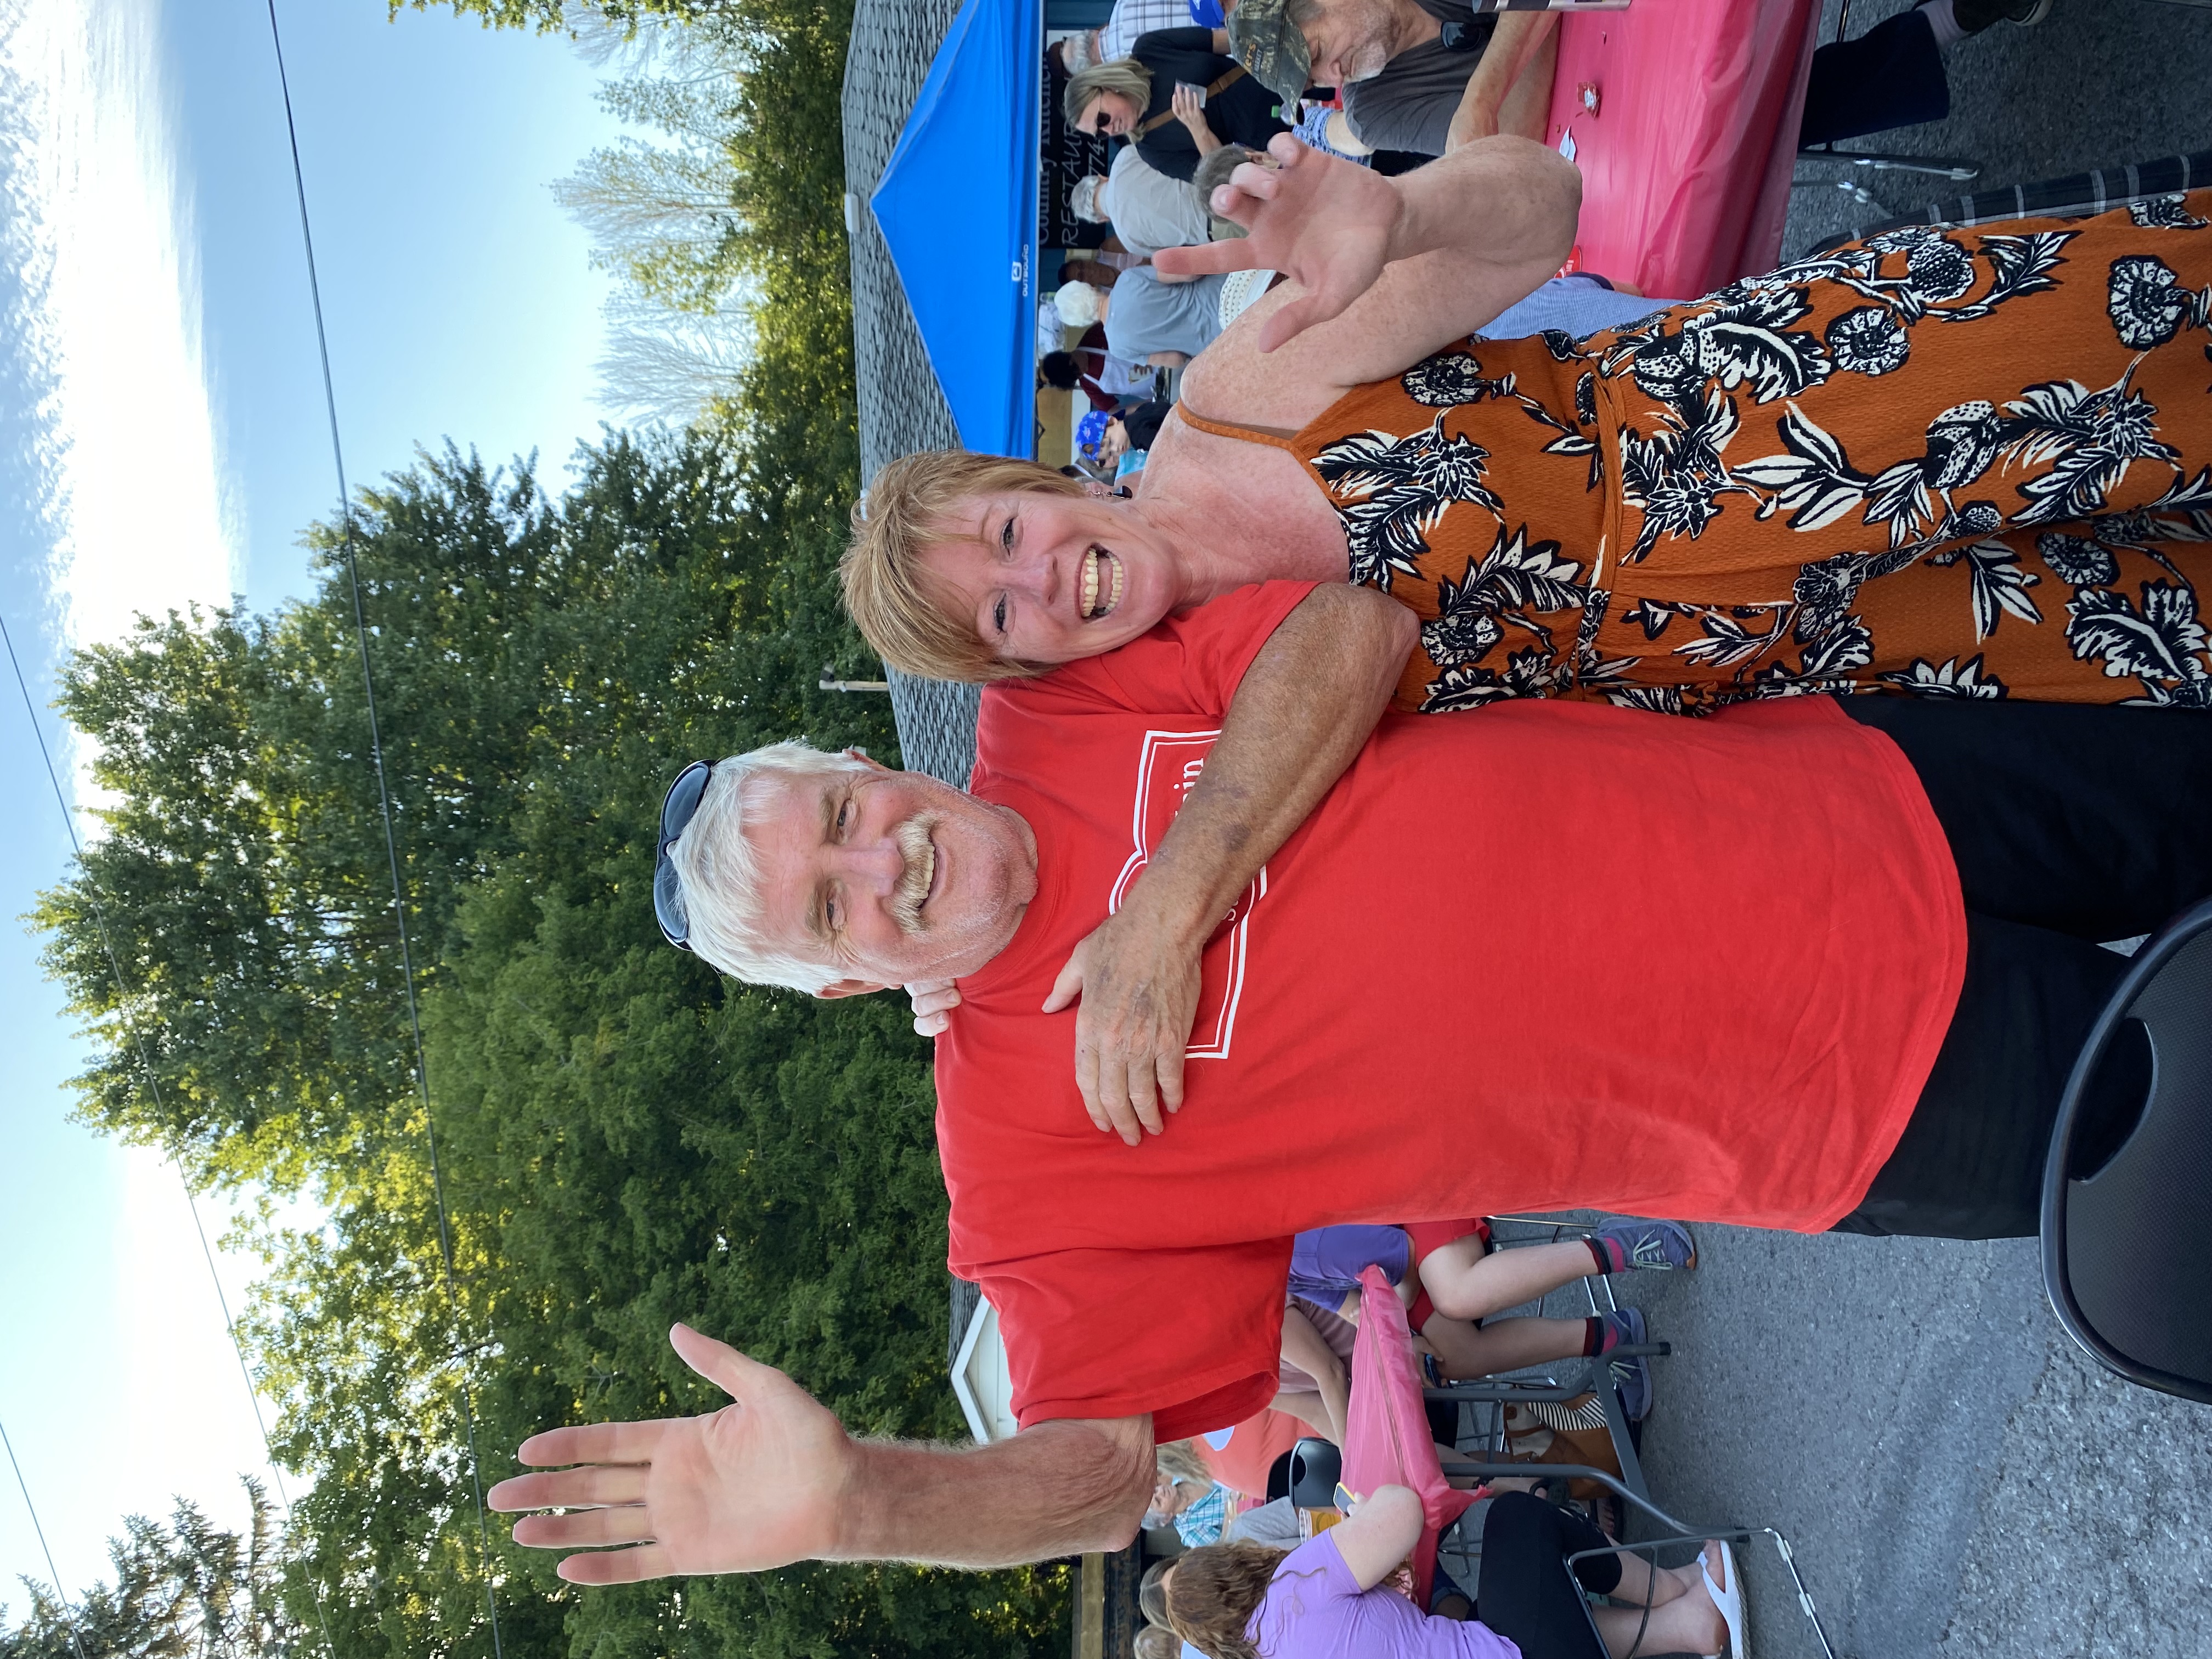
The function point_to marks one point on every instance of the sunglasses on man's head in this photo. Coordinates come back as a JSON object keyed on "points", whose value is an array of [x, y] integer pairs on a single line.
{"points": [[676, 812]]}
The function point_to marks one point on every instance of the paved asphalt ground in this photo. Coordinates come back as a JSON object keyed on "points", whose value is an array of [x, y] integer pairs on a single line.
{"points": [[1958, 1480]]}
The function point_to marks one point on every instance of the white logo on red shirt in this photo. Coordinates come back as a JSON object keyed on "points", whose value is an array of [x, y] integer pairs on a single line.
{"points": [[1168, 770]]}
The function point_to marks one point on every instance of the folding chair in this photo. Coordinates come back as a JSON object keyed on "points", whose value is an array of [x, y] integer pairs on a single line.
{"points": [[2130, 1171], [1563, 1381], [1943, 167], [1569, 1380]]}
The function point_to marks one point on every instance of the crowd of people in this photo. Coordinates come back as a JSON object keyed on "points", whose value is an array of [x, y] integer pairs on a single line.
{"points": [[1490, 742], [1190, 90]]}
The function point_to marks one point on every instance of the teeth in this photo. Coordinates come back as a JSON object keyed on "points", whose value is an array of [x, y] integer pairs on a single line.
{"points": [[1098, 563]]}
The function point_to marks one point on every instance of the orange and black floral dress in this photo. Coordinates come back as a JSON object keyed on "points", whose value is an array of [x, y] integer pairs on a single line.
{"points": [[1946, 463]]}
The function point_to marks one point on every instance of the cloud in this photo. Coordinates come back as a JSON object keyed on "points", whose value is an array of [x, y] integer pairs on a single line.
{"points": [[106, 368], [102, 225]]}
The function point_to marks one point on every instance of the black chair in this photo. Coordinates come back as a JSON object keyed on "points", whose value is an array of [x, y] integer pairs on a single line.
{"points": [[2131, 1172], [1954, 167], [1316, 1466]]}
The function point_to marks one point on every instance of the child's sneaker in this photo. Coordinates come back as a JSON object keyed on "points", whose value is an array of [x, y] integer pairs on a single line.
{"points": [[1651, 1245]]}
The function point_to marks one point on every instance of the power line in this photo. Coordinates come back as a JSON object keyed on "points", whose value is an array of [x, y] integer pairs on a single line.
{"points": [[154, 1090], [24, 1486], [384, 809]]}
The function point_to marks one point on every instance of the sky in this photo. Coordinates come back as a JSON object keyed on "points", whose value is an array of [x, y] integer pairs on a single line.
{"points": [[163, 441]]}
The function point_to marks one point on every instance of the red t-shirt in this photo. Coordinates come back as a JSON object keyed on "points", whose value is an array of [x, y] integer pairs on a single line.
{"points": [[1539, 955]]}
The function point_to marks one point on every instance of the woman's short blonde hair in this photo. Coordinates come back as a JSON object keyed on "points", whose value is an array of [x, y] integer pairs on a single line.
{"points": [[916, 503], [1125, 76]]}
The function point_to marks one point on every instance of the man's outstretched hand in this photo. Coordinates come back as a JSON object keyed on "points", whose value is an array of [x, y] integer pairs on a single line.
{"points": [[1326, 223], [758, 1484], [1139, 986]]}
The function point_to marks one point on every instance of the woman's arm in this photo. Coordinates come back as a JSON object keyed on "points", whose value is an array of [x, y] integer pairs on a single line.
{"points": [[1304, 708], [1303, 1347], [1384, 271], [1380, 1534]]}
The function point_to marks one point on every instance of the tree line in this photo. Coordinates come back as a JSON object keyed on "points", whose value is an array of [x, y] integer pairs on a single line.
{"points": [[624, 1140]]}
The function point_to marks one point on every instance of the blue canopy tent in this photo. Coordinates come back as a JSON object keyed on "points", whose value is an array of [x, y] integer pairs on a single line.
{"points": [[957, 205]]}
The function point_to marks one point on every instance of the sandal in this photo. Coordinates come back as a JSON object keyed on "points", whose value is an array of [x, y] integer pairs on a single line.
{"points": [[1730, 1602]]}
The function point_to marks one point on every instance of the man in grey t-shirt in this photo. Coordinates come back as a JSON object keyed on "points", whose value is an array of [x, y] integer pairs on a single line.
{"points": [[1418, 75], [1149, 317], [1148, 210]]}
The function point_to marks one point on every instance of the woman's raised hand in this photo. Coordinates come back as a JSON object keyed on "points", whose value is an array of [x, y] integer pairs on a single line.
{"points": [[1189, 105], [1327, 223]]}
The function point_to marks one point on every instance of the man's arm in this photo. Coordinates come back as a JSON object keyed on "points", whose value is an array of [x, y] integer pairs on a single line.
{"points": [[773, 1478], [1510, 89], [1303, 709]]}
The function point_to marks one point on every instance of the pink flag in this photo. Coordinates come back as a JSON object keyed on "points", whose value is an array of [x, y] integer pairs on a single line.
{"points": [[1387, 1443]]}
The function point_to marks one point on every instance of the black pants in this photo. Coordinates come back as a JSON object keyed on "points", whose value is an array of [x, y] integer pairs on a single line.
{"points": [[2071, 824], [1890, 76], [1525, 1593]]}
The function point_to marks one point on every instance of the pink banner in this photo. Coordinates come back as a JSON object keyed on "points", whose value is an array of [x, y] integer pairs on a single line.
{"points": [[1683, 117]]}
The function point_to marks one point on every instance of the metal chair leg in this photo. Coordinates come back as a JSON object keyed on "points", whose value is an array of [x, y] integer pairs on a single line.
{"points": [[1739, 1535]]}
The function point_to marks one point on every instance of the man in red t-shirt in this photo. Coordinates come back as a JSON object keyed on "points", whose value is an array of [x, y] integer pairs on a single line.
{"points": [[1544, 956]]}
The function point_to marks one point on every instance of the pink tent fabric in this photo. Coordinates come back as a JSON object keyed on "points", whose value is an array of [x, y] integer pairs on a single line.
{"points": [[1686, 156], [1387, 1443]]}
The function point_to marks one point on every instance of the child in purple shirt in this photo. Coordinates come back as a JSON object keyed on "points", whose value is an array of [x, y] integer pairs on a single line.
{"points": [[1328, 1597]]}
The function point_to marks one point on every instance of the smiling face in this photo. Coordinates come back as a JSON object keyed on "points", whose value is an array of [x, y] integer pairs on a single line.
{"points": [[886, 877], [1349, 40], [1054, 578], [1110, 115]]}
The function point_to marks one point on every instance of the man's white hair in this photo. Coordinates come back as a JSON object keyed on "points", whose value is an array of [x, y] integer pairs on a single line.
{"points": [[718, 876], [1077, 304]]}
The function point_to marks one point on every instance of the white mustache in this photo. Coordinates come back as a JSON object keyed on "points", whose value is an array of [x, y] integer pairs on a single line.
{"points": [[913, 837]]}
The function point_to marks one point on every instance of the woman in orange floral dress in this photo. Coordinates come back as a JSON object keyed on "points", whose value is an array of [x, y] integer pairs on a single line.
{"points": [[1960, 464]]}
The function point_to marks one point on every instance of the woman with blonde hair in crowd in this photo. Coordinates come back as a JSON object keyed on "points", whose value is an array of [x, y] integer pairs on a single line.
{"points": [[1175, 98]]}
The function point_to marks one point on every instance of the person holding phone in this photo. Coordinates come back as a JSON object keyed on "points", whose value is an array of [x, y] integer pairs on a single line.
{"points": [[1176, 98]]}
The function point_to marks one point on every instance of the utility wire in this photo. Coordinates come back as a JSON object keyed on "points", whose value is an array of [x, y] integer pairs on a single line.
{"points": [[384, 808], [153, 1092], [24, 1486]]}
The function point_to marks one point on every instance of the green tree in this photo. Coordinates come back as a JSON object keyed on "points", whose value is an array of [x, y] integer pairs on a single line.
{"points": [[625, 1140], [186, 1590]]}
